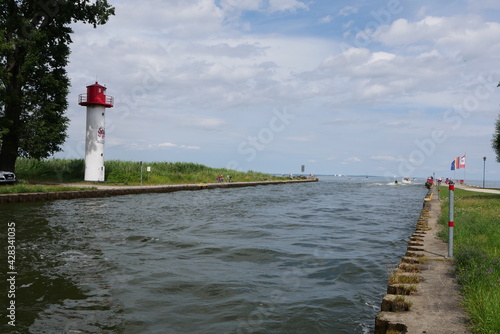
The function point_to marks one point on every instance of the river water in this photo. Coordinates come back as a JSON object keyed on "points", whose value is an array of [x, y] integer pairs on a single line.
{"points": [[291, 258]]}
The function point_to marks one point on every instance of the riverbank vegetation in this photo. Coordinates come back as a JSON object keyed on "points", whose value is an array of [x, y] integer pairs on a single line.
{"points": [[47, 175], [476, 254], [23, 187]]}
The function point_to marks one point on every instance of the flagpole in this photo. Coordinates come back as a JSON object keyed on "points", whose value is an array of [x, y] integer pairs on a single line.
{"points": [[465, 164]]}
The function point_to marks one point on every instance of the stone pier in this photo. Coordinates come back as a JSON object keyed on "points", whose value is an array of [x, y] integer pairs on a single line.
{"points": [[106, 190], [422, 295]]}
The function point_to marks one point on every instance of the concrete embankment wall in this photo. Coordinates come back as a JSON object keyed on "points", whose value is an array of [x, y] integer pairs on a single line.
{"points": [[405, 278], [117, 191], [422, 294]]}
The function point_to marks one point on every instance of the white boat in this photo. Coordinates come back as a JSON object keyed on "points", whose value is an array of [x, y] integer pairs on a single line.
{"points": [[406, 180]]}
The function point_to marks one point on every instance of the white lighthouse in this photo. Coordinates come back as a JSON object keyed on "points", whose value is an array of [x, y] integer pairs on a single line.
{"points": [[96, 102]]}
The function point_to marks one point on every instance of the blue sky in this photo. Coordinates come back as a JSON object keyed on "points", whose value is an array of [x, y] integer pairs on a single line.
{"points": [[395, 88]]}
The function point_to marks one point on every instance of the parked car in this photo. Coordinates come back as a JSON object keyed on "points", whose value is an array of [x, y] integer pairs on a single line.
{"points": [[7, 177]]}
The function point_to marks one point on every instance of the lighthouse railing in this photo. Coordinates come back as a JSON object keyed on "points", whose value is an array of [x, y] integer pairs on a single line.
{"points": [[82, 98], [109, 100], [103, 99]]}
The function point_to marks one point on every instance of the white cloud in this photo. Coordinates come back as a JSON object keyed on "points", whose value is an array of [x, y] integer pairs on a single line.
{"points": [[153, 147], [404, 32], [241, 5], [385, 158], [348, 10], [171, 18], [326, 19], [190, 147], [467, 34], [381, 56], [286, 5], [167, 145]]}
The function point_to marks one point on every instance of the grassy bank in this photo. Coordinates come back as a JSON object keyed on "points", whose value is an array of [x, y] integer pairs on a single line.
{"points": [[477, 254], [22, 187], [34, 175]]}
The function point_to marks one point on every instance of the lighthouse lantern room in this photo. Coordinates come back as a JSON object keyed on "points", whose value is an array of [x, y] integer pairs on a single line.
{"points": [[96, 102]]}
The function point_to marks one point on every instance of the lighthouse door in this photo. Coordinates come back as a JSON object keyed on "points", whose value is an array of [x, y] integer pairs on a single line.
{"points": [[101, 174]]}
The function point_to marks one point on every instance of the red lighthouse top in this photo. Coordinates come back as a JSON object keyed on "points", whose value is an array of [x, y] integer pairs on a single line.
{"points": [[95, 97]]}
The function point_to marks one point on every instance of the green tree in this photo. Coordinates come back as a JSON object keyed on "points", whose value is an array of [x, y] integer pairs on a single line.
{"points": [[495, 143], [34, 48]]}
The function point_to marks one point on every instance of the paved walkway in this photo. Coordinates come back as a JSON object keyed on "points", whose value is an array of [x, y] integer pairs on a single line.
{"points": [[477, 189]]}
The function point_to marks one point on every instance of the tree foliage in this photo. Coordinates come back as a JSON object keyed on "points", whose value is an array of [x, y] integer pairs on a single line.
{"points": [[495, 143], [34, 48]]}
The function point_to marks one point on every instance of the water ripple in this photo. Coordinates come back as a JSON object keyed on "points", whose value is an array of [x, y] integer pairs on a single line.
{"points": [[308, 258]]}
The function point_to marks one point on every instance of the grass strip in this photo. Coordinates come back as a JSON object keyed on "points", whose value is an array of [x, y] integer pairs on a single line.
{"points": [[476, 250], [21, 188]]}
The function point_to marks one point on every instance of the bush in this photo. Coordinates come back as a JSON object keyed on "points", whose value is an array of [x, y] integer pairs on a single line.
{"points": [[54, 170]]}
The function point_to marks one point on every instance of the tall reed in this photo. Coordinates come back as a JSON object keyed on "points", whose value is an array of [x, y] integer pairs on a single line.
{"points": [[129, 172]]}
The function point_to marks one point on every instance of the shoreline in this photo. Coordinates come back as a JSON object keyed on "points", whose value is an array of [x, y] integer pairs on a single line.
{"points": [[107, 191], [424, 297]]}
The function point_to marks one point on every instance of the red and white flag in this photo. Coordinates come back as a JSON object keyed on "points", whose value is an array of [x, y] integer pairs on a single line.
{"points": [[462, 162]]}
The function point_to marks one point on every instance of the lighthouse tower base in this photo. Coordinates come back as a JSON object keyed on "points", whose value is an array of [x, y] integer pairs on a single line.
{"points": [[94, 144], [94, 175]]}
